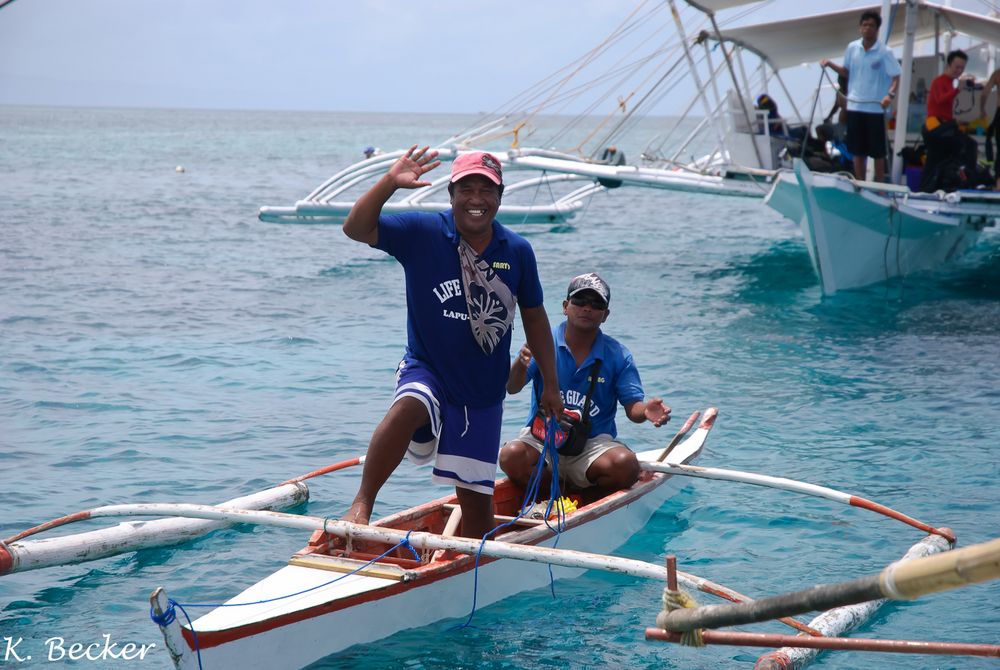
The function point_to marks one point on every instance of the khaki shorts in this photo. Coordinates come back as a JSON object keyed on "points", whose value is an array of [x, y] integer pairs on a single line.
{"points": [[574, 468]]}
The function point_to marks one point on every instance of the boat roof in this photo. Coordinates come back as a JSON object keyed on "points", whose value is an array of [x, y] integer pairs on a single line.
{"points": [[809, 39], [712, 6]]}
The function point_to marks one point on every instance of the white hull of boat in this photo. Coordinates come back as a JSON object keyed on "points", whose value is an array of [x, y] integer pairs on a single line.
{"points": [[293, 632], [376, 619], [859, 234]]}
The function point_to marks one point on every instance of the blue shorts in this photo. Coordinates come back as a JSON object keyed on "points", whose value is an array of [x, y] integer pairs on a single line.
{"points": [[463, 442]]}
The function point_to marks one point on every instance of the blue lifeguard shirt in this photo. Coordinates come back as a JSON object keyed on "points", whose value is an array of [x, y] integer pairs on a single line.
{"points": [[438, 332], [870, 74], [617, 381]]}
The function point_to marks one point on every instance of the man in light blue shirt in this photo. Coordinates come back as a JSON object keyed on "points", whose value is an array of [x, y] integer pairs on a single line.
{"points": [[873, 79], [583, 350]]}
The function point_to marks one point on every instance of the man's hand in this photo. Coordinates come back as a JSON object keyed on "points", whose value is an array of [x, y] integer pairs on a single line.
{"points": [[523, 356], [657, 412], [551, 402], [411, 166], [518, 376], [886, 101]]}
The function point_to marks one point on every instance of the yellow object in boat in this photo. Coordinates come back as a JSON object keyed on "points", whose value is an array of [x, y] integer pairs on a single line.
{"points": [[566, 504]]}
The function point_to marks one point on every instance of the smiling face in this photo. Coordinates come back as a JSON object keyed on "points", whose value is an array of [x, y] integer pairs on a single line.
{"points": [[474, 201]]}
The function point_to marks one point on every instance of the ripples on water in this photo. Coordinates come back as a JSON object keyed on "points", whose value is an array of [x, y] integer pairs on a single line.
{"points": [[160, 344]]}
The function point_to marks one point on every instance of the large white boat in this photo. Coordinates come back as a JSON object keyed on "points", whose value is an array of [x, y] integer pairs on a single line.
{"points": [[657, 50], [861, 233]]}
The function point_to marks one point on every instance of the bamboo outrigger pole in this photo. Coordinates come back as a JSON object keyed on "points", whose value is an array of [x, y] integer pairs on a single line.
{"points": [[833, 643], [796, 487], [899, 581], [423, 540]]}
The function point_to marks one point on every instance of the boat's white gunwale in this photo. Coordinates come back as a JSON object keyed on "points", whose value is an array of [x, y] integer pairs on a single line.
{"points": [[426, 574]]}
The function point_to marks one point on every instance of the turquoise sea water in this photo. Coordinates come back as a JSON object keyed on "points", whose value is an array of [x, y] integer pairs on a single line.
{"points": [[158, 343]]}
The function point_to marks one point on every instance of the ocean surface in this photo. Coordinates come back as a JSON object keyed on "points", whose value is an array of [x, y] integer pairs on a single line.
{"points": [[160, 344]]}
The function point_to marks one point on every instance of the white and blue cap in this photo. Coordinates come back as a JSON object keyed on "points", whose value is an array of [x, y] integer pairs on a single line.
{"points": [[589, 282]]}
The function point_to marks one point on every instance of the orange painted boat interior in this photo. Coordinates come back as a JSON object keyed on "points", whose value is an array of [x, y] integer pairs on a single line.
{"points": [[432, 517]]}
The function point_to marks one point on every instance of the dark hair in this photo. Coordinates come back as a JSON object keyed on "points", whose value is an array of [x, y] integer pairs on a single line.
{"points": [[871, 14], [957, 53]]}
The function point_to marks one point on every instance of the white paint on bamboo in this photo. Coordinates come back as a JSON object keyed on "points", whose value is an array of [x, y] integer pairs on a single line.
{"points": [[750, 478], [136, 535], [842, 620]]}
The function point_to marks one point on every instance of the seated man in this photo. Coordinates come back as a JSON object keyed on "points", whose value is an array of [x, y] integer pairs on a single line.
{"points": [[612, 156], [949, 150], [774, 123], [604, 462]]}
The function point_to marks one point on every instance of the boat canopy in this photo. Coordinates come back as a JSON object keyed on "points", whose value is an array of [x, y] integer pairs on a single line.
{"points": [[712, 6], [811, 38]]}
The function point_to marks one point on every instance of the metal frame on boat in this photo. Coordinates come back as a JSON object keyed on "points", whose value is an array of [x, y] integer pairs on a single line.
{"points": [[730, 151], [899, 232]]}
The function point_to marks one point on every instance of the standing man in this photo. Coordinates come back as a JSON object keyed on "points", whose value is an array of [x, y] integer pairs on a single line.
{"points": [[464, 274], [580, 345], [873, 80]]}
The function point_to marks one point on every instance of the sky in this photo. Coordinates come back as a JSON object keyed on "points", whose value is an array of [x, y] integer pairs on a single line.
{"points": [[434, 56]]}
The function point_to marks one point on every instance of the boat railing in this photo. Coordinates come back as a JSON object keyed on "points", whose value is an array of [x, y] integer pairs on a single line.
{"points": [[358, 172], [363, 170], [381, 161], [438, 185]]}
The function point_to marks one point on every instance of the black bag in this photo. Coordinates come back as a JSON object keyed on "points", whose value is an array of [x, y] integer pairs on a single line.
{"points": [[573, 430]]}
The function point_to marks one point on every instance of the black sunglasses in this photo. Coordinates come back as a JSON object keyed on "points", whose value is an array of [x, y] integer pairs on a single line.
{"points": [[589, 301]]}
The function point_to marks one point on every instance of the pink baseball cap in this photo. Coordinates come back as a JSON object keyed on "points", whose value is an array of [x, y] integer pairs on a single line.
{"points": [[477, 162]]}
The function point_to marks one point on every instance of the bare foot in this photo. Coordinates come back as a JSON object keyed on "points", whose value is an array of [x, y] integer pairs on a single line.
{"points": [[359, 512]]}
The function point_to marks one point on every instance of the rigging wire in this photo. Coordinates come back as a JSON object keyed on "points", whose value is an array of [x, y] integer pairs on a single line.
{"points": [[552, 84]]}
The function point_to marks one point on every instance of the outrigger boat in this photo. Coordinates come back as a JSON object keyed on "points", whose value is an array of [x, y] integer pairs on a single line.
{"points": [[356, 583], [862, 233], [340, 591], [658, 48]]}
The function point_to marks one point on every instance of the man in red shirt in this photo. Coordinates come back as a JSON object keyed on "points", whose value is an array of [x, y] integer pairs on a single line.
{"points": [[941, 98], [949, 151]]}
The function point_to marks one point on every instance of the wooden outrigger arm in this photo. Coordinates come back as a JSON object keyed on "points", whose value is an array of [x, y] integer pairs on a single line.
{"points": [[796, 487]]}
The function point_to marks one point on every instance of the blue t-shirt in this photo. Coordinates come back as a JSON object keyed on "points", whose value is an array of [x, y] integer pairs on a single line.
{"points": [[870, 74], [438, 332], [617, 381]]}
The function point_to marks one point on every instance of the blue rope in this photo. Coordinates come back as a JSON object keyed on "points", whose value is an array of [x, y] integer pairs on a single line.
{"points": [[530, 493], [170, 615]]}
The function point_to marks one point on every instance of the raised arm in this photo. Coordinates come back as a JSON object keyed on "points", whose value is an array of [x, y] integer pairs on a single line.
{"points": [[654, 411], [518, 376], [361, 223], [539, 334]]}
